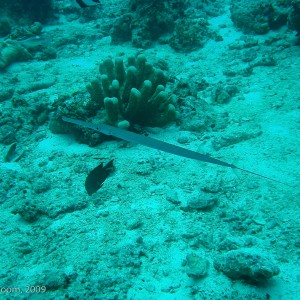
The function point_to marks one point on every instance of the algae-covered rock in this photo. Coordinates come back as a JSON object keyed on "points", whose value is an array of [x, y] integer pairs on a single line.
{"points": [[5, 26], [198, 200], [235, 135], [294, 17], [52, 279], [223, 93], [28, 210], [247, 264], [196, 266], [25, 31], [8, 133], [21, 11], [121, 31], [6, 93], [190, 34], [259, 16], [147, 21], [11, 51]]}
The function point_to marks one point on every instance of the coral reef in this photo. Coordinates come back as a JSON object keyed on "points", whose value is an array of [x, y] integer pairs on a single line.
{"points": [[294, 17], [147, 21], [189, 34], [135, 95], [259, 17], [5, 26], [121, 31], [182, 24], [30, 10], [212, 8]]}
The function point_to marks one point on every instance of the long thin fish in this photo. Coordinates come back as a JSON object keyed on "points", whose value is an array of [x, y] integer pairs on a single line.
{"points": [[159, 145]]}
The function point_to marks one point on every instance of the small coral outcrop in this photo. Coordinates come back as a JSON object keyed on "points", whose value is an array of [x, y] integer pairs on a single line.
{"points": [[30, 10], [259, 16], [147, 20], [248, 264], [134, 94], [294, 17], [190, 34]]}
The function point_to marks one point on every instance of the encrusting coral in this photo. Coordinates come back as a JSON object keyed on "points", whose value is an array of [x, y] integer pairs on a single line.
{"points": [[133, 95]]}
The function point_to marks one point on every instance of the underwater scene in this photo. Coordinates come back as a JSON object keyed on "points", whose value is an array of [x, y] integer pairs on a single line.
{"points": [[150, 149]]}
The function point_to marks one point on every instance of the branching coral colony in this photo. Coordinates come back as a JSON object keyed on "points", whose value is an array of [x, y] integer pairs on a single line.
{"points": [[132, 95]]}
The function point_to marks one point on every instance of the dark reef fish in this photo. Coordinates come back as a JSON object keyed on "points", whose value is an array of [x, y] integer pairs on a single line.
{"points": [[85, 3], [160, 145], [97, 176]]}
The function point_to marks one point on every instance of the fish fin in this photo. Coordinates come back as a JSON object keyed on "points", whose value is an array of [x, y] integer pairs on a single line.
{"points": [[265, 177], [236, 173]]}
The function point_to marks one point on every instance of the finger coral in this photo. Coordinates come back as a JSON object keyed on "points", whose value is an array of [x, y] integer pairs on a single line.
{"points": [[134, 94]]}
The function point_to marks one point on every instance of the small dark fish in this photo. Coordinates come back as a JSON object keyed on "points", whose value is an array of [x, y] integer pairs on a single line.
{"points": [[85, 3], [97, 176]]}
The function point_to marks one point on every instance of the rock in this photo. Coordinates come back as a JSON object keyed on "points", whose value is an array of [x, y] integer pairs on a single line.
{"points": [[134, 224], [235, 135], [258, 16], [41, 185], [248, 264], [172, 196], [190, 34], [196, 266], [28, 210], [52, 279], [198, 200], [6, 93]]}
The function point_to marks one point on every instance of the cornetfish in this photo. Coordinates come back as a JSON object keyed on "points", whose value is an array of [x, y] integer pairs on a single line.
{"points": [[159, 145]]}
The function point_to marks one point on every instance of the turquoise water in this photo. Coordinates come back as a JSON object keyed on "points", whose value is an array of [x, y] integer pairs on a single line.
{"points": [[219, 78]]}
